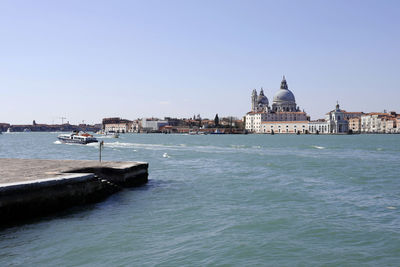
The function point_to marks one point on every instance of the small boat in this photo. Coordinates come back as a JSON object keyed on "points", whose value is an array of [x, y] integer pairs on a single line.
{"points": [[112, 133], [217, 131], [77, 138], [9, 130]]}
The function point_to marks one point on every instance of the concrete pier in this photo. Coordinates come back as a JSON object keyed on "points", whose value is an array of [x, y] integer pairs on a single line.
{"points": [[35, 187]]}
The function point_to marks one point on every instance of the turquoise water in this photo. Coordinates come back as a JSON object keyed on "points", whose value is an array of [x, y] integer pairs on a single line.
{"points": [[233, 200]]}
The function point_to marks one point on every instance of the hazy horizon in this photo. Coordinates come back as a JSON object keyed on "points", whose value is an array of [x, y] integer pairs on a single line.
{"points": [[94, 59]]}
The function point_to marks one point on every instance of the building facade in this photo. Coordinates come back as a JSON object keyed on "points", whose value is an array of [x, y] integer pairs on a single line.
{"points": [[152, 125], [377, 122], [116, 125], [284, 127]]}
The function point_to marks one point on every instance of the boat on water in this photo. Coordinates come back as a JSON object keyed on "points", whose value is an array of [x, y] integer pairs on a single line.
{"points": [[77, 138], [217, 131], [112, 134]]}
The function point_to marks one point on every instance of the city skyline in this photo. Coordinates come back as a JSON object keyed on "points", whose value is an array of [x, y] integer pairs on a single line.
{"points": [[95, 59]]}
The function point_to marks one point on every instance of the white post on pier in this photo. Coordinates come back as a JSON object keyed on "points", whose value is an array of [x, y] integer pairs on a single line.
{"points": [[100, 147]]}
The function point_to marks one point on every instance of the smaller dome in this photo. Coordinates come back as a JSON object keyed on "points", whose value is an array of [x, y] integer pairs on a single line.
{"points": [[262, 99]]}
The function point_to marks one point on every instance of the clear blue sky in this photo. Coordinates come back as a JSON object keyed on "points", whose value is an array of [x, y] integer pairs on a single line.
{"points": [[92, 59]]}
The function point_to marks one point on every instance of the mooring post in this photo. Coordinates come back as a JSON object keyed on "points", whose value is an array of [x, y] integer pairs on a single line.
{"points": [[100, 146]]}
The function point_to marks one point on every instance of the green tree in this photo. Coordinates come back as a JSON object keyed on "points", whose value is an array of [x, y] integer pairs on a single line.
{"points": [[216, 120]]}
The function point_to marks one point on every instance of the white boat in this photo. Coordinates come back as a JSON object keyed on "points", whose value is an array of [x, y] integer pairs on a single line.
{"points": [[77, 138], [113, 134]]}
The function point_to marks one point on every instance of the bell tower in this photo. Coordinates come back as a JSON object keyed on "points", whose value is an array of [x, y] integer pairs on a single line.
{"points": [[254, 100]]}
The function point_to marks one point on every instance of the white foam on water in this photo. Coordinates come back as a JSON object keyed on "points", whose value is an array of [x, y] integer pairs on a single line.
{"points": [[379, 149], [57, 142], [165, 155], [238, 146], [93, 144], [145, 146], [391, 208], [318, 147], [104, 137]]}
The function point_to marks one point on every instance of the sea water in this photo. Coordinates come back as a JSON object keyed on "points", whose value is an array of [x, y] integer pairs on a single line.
{"points": [[232, 200]]}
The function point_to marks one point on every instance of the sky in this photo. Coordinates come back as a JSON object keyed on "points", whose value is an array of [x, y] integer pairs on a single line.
{"points": [[86, 60]]}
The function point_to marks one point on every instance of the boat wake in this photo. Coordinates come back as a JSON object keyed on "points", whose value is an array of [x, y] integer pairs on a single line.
{"points": [[93, 144]]}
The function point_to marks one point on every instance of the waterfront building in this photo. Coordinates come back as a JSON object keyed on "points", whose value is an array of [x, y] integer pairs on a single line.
{"points": [[390, 125], [117, 125], [152, 125], [373, 122], [284, 127], [355, 124], [253, 121], [283, 108], [336, 121], [318, 127], [350, 115]]}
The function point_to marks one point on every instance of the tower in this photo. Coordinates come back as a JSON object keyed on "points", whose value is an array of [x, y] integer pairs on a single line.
{"points": [[254, 100]]}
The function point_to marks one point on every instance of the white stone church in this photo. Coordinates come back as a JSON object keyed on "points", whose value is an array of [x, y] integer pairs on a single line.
{"points": [[283, 116]]}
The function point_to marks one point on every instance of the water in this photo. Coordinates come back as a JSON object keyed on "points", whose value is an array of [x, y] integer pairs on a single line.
{"points": [[234, 200]]}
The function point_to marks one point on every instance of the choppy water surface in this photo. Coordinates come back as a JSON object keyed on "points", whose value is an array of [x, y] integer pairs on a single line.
{"points": [[224, 200]]}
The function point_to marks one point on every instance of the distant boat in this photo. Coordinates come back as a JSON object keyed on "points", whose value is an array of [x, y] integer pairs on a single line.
{"points": [[77, 138], [113, 134], [9, 130], [217, 131]]}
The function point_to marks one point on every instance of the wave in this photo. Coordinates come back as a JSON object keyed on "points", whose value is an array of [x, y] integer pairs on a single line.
{"points": [[238, 146], [93, 144], [318, 147], [105, 137]]}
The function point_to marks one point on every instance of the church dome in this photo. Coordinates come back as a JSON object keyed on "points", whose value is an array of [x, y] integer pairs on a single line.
{"points": [[284, 94], [262, 99]]}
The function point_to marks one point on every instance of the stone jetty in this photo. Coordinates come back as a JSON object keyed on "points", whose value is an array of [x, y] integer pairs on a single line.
{"points": [[35, 187]]}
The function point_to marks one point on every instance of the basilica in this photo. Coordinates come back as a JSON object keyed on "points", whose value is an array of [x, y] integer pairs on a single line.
{"points": [[265, 118], [283, 100]]}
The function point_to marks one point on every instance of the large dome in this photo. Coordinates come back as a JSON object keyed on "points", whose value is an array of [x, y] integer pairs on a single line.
{"points": [[284, 94]]}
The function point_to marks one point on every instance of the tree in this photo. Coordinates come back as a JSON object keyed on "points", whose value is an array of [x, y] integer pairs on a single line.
{"points": [[216, 120]]}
